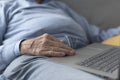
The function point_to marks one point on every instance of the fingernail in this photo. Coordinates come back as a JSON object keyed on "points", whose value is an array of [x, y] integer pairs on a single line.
{"points": [[73, 51]]}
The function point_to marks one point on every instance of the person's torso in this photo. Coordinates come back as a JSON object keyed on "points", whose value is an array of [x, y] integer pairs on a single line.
{"points": [[29, 19]]}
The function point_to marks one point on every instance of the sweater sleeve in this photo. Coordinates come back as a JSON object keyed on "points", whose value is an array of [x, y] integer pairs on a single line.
{"points": [[8, 52]]}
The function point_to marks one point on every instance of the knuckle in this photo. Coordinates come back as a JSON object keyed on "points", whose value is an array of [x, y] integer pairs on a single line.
{"points": [[52, 53], [41, 53], [46, 35], [48, 54]]}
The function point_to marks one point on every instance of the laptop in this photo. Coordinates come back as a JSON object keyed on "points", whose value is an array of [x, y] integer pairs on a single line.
{"points": [[119, 71], [98, 59]]}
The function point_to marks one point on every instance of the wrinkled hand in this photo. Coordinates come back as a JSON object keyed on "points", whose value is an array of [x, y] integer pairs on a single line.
{"points": [[45, 45]]}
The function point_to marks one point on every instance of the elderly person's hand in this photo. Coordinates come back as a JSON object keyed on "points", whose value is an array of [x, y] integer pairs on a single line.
{"points": [[45, 45]]}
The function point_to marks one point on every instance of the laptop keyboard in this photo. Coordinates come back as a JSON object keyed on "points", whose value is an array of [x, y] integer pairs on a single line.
{"points": [[106, 61]]}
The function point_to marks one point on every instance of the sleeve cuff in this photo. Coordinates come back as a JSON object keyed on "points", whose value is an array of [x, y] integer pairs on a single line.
{"points": [[17, 48]]}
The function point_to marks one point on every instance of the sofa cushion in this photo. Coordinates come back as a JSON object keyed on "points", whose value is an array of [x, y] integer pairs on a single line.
{"points": [[104, 13]]}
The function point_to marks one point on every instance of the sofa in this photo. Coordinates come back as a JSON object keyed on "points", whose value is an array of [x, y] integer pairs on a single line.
{"points": [[103, 13]]}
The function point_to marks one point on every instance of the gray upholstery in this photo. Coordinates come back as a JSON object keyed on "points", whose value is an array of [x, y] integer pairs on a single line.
{"points": [[104, 13]]}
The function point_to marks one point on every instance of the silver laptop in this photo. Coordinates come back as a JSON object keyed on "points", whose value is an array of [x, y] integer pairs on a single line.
{"points": [[99, 59]]}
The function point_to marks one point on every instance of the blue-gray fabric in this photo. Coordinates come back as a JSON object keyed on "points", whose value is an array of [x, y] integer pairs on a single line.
{"points": [[24, 19], [28, 67]]}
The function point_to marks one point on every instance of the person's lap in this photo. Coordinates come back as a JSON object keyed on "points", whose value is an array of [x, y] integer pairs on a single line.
{"points": [[38, 68]]}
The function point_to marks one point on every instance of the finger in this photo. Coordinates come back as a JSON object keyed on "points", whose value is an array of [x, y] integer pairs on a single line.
{"points": [[66, 51], [47, 39], [52, 54], [41, 52], [46, 42], [57, 49], [55, 44], [50, 51]]}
